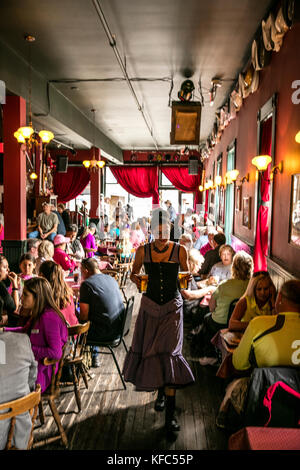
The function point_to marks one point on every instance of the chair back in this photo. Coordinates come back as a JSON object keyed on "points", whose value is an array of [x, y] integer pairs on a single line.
{"points": [[53, 388], [78, 333], [16, 407], [128, 316], [231, 308], [123, 279]]}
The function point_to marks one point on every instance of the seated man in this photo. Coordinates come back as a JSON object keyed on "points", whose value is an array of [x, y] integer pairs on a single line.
{"points": [[273, 340], [101, 303], [33, 246], [212, 257], [47, 223], [18, 372], [269, 341]]}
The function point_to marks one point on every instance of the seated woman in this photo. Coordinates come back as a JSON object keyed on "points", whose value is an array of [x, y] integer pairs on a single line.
{"points": [[45, 253], [259, 299], [88, 240], [46, 328], [193, 295], [10, 302], [186, 240], [62, 293], [222, 271], [124, 247], [60, 256], [74, 247], [137, 236], [226, 292]]}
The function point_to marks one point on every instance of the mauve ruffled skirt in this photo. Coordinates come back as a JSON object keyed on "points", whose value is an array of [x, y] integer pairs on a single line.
{"points": [[155, 357]]}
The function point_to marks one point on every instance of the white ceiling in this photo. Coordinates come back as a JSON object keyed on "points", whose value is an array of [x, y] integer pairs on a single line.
{"points": [[158, 39]]}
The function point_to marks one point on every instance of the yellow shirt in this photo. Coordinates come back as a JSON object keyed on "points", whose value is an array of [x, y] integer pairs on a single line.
{"points": [[253, 310], [279, 348]]}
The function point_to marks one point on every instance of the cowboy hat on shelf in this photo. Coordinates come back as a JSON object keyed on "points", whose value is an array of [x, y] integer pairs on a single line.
{"points": [[266, 28], [237, 99], [260, 56]]}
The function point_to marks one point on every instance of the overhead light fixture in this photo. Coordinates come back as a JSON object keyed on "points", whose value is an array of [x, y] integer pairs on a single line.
{"points": [[215, 84], [186, 90], [93, 164], [33, 175]]}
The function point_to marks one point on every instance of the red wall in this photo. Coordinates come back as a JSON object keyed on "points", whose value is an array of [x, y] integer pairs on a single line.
{"points": [[276, 78]]}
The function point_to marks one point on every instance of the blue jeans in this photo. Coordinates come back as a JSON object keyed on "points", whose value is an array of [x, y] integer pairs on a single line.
{"points": [[36, 234]]}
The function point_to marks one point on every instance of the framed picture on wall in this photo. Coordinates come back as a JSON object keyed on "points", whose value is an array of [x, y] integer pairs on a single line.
{"points": [[246, 216], [222, 207], [211, 208], [294, 231], [238, 198]]}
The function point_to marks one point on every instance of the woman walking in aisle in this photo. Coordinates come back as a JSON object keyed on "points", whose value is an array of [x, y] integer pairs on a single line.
{"points": [[155, 361]]}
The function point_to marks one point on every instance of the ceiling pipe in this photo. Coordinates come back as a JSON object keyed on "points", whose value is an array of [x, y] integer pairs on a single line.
{"points": [[112, 43]]}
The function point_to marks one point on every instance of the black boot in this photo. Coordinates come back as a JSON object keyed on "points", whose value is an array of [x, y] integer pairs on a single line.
{"points": [[171, 423], [160, 400]]}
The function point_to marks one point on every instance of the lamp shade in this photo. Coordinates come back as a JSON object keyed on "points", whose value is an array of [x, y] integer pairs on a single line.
{"points": [[26, 131], [46, 136], [218, 180], [19, 137], [233, 174], [261, 162], [297, 137]]}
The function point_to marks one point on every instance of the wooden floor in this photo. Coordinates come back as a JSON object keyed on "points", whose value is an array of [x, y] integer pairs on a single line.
{"points": [[116, 419]]}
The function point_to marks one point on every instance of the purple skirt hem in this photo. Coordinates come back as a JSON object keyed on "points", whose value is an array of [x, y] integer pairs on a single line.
{"points": [[172, 371]]}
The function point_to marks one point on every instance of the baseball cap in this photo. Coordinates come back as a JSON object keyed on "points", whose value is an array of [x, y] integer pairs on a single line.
{"points": [[59, 239]]}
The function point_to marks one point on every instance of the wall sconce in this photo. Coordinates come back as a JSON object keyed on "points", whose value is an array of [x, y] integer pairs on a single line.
{"points": [[261, 162], [277, 168], [231, 176], [245, 178], [218, 180]]}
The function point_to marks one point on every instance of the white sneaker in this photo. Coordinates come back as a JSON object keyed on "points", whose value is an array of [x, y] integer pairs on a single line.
{"points": [[207, 361]]}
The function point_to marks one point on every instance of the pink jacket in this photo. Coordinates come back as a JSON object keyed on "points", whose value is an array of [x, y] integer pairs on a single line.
{"points": [[62, 258], [47, 337]]}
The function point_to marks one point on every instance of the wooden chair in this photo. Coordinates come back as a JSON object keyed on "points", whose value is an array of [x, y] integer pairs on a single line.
{"points": [[14, 408], [78, 333], [49, 395], [123, 282], [124, 329]]}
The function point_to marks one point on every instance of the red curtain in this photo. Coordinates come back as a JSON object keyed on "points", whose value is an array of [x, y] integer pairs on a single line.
{"points": [[69, 185], [262, 227], [180, 178], [138, 181]]}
